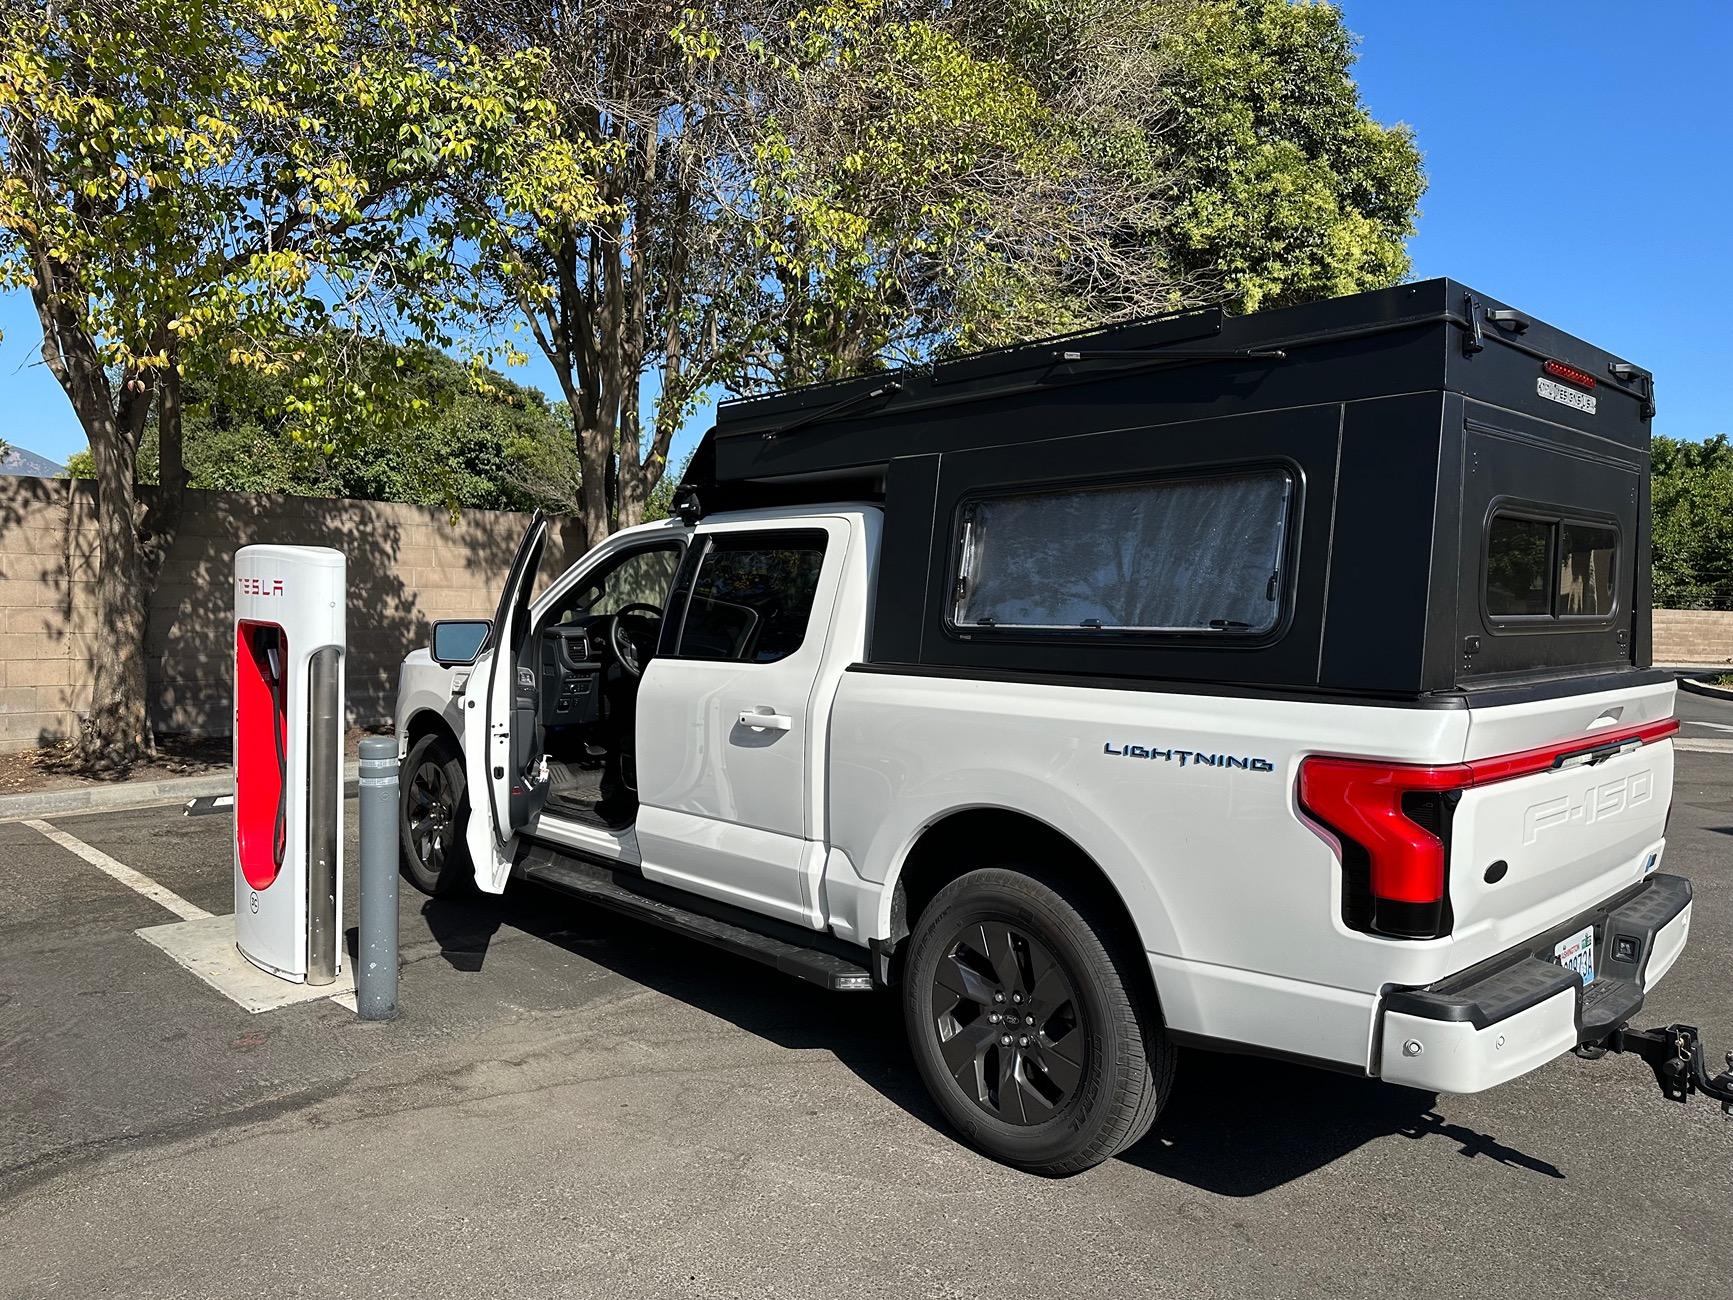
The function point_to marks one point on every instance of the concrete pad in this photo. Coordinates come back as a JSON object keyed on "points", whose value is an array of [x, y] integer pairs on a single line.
{"points": [[206, 947]]}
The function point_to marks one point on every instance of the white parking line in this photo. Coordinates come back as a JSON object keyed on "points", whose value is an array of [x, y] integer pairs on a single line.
{"points": [[1703, 746], [133, 880], [1713, 726]]}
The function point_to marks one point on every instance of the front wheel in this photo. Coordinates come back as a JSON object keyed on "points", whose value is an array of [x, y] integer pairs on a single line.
{"points": [[433, 809], [1028, 1034]]}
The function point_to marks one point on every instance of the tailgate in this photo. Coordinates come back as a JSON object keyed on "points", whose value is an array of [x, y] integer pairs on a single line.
{"points": [[1568, 836]]}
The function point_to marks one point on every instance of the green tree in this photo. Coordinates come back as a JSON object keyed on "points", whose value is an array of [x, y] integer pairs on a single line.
{"points": [[794, 191], [626, 286], [1692, 492], [235, 173], [477, 441], [1285, 187], [934, 177], [925, 178]]}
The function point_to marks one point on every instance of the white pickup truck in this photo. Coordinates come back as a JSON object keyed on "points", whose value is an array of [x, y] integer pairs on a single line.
{"points": [[1040, 719]]}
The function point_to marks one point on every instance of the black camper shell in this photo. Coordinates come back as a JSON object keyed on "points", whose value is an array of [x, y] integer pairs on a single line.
{"points": [[1433, 441]]}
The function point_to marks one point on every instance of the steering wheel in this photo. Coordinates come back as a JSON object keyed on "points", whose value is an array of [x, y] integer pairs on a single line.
{"points": [[626, 650]]}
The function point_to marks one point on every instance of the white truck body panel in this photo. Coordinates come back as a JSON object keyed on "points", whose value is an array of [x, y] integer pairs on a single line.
{"points": [[729, 806], [1236, 894]]}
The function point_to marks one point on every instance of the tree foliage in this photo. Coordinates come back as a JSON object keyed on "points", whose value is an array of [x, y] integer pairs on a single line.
{"points": [[238, 174], [1692, 491], [1286, 188], [920, 179], [788, 192], [669, 200], [479, 442]]}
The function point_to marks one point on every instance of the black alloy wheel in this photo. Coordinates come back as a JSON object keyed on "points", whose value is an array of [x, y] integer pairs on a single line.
{"points": [[432, 813], [1008, 1024], [1029, 1019]]}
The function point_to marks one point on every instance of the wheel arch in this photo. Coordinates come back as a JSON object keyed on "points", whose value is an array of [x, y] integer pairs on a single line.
{"points": [[965, 839], [423, 723]]}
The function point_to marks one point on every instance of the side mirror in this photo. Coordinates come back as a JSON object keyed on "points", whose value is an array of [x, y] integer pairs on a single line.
{"points": [[459, 640]]}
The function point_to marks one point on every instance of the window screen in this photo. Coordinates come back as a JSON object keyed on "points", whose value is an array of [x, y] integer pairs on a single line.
{"points": [[1179, 555], [752, 597], [1518, 565]]}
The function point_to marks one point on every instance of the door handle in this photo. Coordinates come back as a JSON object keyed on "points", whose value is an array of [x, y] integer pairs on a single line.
{"points": [[765, 721]]}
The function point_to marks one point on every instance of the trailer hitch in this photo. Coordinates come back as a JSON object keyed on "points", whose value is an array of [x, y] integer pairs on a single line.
{"points": [[1676, 1056]]}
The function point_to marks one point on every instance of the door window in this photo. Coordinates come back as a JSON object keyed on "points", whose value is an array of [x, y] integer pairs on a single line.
{"points": [[752, 596], [637, 578]]}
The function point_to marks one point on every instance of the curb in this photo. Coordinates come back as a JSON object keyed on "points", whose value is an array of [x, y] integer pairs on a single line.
{"points": [[130, 794], [1696, 687]]}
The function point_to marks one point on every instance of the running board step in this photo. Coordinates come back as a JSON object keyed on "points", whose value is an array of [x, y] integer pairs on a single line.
{"points": [[732, 929]]}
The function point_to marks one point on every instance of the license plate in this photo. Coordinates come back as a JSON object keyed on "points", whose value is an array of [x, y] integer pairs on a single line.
{"points": [[1577, 953]]}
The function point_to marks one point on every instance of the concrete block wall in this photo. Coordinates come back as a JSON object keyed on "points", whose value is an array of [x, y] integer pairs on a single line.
{"points": [[1694, 636], [407, 566]]}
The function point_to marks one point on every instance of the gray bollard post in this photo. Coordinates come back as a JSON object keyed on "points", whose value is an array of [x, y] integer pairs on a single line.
{"points": [[376, 951]]}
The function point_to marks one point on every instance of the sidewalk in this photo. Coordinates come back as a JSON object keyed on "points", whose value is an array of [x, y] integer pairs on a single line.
{"points": [[131, 794]]}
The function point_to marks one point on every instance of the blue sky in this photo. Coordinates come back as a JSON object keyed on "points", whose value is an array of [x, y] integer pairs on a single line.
{"points": [[1581, 167]]}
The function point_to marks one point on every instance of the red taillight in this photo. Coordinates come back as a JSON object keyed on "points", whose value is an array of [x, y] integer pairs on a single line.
{"points": [[1393, 819], [1570, 374], [1363, 803]]}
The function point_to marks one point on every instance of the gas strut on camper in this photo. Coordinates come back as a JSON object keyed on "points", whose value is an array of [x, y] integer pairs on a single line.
{"points": [[1676, 1056]]}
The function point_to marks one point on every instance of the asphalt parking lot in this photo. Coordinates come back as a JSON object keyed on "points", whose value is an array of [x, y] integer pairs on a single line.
{"points": [[572, 1104]]}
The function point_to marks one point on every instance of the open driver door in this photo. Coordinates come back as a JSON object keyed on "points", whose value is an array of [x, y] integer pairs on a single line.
{"points": [[504, 763]]}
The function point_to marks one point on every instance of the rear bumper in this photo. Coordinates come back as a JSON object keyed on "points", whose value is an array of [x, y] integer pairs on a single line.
{"points": [[1520, 1009]]}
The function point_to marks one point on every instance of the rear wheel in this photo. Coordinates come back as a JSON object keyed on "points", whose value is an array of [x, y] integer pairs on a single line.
{"points": [[1028, 1033], [433, 809]]}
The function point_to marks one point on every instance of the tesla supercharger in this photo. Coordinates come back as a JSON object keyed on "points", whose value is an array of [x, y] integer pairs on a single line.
{"points": [[289, 650]]}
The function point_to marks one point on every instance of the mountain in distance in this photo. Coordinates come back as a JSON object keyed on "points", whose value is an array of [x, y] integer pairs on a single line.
{"points": [[28, 464]]}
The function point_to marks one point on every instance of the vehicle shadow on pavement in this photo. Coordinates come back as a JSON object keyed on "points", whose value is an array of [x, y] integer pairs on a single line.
{"points": [[1239, 1125], [1235, 1125], [464, 927], [863, 1031]]}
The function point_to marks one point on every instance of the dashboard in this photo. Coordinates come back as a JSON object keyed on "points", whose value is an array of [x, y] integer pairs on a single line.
{"points": [[572, 665]]}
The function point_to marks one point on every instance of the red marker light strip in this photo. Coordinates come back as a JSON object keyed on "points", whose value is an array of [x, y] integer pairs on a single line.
{"points": [[1570, 374], [1486, 770]]}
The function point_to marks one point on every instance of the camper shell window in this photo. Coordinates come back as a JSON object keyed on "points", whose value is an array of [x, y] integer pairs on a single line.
{"points": [[1201, 554], [1543, 568]]}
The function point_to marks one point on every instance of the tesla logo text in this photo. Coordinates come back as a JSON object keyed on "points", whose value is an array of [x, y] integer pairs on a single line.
{"points": [[261, 586], [1597, 803], [1197, 758]]}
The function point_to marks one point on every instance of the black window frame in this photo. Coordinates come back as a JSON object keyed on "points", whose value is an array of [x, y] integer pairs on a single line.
{"points": [[1556, 518], [686, 582], [1237, 638]]}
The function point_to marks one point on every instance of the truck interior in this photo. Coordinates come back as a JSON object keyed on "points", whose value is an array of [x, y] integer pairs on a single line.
{"points": [[593, 645]]}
